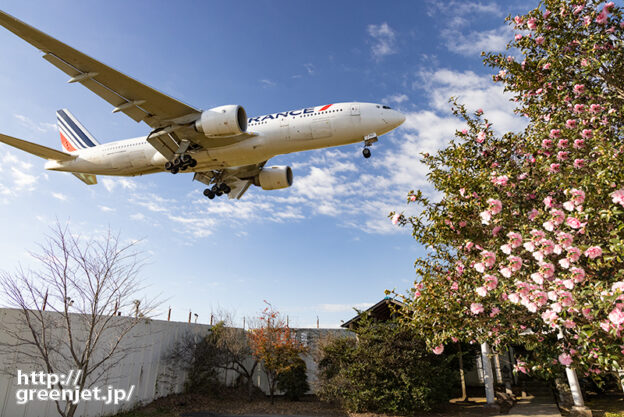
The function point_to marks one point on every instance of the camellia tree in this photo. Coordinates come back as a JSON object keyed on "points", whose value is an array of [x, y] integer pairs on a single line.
{"points": [[527, 242]]}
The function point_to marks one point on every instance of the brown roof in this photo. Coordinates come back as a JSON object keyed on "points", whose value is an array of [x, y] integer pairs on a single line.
{"points": [[382, 311]]}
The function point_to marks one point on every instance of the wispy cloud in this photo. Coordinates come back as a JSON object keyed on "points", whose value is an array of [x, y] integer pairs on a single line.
{"points": [[473, 43], [39, 127], [107, 209], [383, 40], [309, 68], [59, 196], [267, 83], [396, 98]]}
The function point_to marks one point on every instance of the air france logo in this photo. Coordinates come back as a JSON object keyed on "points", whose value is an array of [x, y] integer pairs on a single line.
{"points": [[286, 114]]}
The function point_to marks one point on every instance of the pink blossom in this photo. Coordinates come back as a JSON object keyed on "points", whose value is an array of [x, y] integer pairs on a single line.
{"points": [[464, 131], [618, 197], [618, 286], [519, 20], [537, 278], [514, 298], [506, 249], [489, 258], [574, 253], [595, 108], [565, 359], [579, 88], [479, 267], [547, 269], [602, 18], [495, 311], [539, 40], [578, 9], [506, 272], [579, 108], [496, 230], [579, 143], [571, 123], [616, 316], [565, 239], [469, 246], [515, 262], [549, 202], [608, 6], [562, 155], [568, 205], [584, 62], [500, 180], [518, 36], [563, 143], [530, 246], [573, 222], [495, 206], [555, 133], [587, 133], [515, 239], [395, 218], [454, 286], [604, 325], [554, 168], [546, 66], [546, 15], [578, 274], [556, 307], [579, 163], [481, 136], [578, 196], [482, 291], [548, 225], [586, 20], [438, 349], [593, 252], [538, 255], [533, 214], [531, 23], [476, 308], [564, 263], [486, 216], [547, 143], [568, 283]]}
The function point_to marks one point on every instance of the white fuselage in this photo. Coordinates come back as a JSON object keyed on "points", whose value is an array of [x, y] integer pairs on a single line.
{"points": [[277, 134]]}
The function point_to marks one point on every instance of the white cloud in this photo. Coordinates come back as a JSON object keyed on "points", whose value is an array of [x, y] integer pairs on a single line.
{"points": [[473, 43], [396, 98], [137, 216], [107, 209], [309, 68], [23, 180], [39, 127], [59, 196], [267, 83], [111, 183], [384, 40]]}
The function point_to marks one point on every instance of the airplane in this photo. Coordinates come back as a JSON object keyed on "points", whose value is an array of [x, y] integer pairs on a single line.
{"points": [[226, 150]]}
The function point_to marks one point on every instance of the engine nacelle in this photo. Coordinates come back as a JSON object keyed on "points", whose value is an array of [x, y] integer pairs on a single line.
{"points": [[222, 121], [274, 178]]}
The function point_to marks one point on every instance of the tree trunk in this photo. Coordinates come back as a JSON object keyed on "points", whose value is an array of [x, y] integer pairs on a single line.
{"points": [[462, 378]]}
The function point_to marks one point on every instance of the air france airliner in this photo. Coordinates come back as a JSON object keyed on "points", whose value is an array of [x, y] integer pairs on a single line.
{"points": [[225, 150]]}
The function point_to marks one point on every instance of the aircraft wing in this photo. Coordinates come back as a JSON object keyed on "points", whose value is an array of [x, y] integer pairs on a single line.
{"points": [[35, 149], [137, 100], [238, 178]]}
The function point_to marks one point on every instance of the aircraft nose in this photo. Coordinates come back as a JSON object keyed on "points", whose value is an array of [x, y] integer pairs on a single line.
{"points": [[394, 118]]}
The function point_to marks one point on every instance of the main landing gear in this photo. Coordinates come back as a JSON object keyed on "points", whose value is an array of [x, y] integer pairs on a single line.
{"points": [[217, 190], [180, 163], [368, 141]]}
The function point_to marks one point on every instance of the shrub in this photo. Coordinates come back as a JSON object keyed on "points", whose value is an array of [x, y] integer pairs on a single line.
{"points": [[387, 369], [294, 382]]}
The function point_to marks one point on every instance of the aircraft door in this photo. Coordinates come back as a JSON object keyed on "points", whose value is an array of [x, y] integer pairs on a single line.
{"points": [[284, 128], [355, 109]]}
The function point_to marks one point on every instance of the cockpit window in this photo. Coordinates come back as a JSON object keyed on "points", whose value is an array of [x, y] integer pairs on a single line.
{"points": [[387, 107]]}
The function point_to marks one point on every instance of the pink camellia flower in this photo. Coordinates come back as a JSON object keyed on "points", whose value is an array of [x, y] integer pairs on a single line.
{"points": [[486, 216], [523, 176], [539, 40], [500, 180], [564, 263], [584, 62], [568, 205], [568, 283], [533, 214], [608, 6], [565, 359], [514, 298], [616, 316], [578, 196], [571, 123], [395, 218], [537, 278], [578, 274], [587, 133], [490, 281], [574, 253], [618, 286], [454, 286], [481, 136], [482, 291], [579, 108], [495, 311], [564, 239], [506, 249], [532, 23], [578, 143], [495, 206], [464, 131], [562, 155], [558, 216], [506, 272], [604, 325], [469, 246], [554, 168], [602, 18], [519, 20], [479, 112], [438, 349], [548, 225], [496, 230], [555, 133], [547, 143], [549, 202], [489, 258], [579, 163], [556, 307], [546, 66], [479, 267], [593, 252], [573, 222], [578, 9], [618, 197], [515, 239], [530, 246], [579, 88], [595, 108], [563, 143], [515, 263], [518, 36], [476, 308]]}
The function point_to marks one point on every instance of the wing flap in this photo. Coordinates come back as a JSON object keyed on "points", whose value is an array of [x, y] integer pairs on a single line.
{"points": [[88, 179], [35, 149]]}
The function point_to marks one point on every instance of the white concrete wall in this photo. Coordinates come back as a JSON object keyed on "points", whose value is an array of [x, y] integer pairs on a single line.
{"points": [[145, 367]]}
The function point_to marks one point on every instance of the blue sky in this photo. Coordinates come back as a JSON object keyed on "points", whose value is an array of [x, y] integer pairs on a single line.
{"points": [[318, 248]]}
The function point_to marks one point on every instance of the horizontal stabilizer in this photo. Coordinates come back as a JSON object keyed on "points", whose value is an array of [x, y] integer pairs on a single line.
{"points": [[35, 149], [88, 179]]}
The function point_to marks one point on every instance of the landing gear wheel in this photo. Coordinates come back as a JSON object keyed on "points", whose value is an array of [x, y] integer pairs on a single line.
{"points": [[219, 193], [177, 161], [214, 188], [186, 158], [211, 195], [168, 165], [226, 189], [193, 163], [174, 170], [208, 193], [366, 152]]}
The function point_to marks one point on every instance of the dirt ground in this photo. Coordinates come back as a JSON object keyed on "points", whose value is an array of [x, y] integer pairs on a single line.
{"points": [[235, 403]]}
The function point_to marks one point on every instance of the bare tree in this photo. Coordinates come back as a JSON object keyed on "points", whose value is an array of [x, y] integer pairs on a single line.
{"points": [[68, 316]]}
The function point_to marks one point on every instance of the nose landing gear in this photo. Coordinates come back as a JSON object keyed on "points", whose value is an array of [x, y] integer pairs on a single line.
{"points": [[368, 141]]}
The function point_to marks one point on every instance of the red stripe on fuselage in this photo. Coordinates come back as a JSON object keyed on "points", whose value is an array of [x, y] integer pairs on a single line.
{"points": [[68, 147], [325, 107]]}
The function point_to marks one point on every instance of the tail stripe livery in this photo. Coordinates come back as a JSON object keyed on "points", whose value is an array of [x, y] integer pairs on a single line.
{"points": [[73, 134]]}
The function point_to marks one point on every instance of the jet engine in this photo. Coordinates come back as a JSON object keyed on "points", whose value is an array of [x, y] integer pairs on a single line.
{"points": [[222, 121], [274, 178]]}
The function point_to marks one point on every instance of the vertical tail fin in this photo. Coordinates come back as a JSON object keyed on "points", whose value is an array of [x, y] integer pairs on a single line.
{"points": [[74, 135]]}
